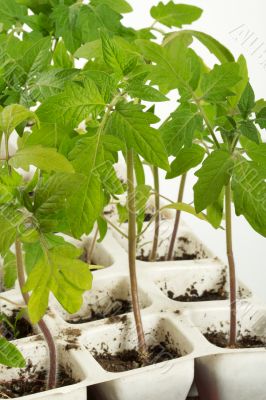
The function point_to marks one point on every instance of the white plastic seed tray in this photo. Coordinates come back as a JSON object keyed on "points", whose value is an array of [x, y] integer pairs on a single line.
{"points": [[181, 324]]}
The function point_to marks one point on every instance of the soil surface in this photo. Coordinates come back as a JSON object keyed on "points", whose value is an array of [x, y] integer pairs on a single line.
{"points": [[130, 359], [220, 339], [118, 307], [143, 257], [192, 295], [32, 383], [147, 217], [185, 256], [12, 329]]}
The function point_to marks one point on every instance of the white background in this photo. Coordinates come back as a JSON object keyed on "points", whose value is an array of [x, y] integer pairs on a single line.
{"points": [[239, 25]]}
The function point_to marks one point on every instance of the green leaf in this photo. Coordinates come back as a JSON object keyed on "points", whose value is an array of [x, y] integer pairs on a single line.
{"points": [[139, 170], [51, 82], [11, 13], [145, 92], [24, 61], [36, 55], [120, 6], [103, 227], [132, 125], [215, 47], [9, 185], [51, 200], [60, 272], [175, 61], [89, 156], [112, 145], [47, 135], [261, 118], [116, 57], [47, 159], [33, 251], [142, 196], [61, 58], [10, 270], [109, 179], [259, 105], [81, 23], [10, 355], [172, 14], [13, 115], [241, 85], [84, 154], [257, 152], [92, 157], [215, 211], [186, 208], [10, 219], [247, 101], [73, 105], [105, 82], [213, 176], [39, 6], [67, 25], [90, 50], [180, 129], [249, 189], [186, 159], [218, 83], [248, 129], [122, 213], [86, 204]]}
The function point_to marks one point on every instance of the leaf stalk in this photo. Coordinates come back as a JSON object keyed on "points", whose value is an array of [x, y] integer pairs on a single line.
{"points": [[52, 371], [132, 243]]}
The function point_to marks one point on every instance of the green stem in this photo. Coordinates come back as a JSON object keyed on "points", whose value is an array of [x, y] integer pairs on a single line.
{"points": [[12, 302], [52, 372], [234, 143], [231, 263], [115, 227], [157, 213], [56, 40], [161, 31], [7, 154], [164, 197], [102, 125], [177, 217], [207, 122], [92, 246], [132, 242]]}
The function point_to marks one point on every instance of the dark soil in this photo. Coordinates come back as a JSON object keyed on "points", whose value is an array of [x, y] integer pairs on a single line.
{"points": [[130, 359], [220, 339], [12, 329], [118, 307], [147, 217], [32, 383], [192, 295], [185, 256], [143, 257], [71, 335]]}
